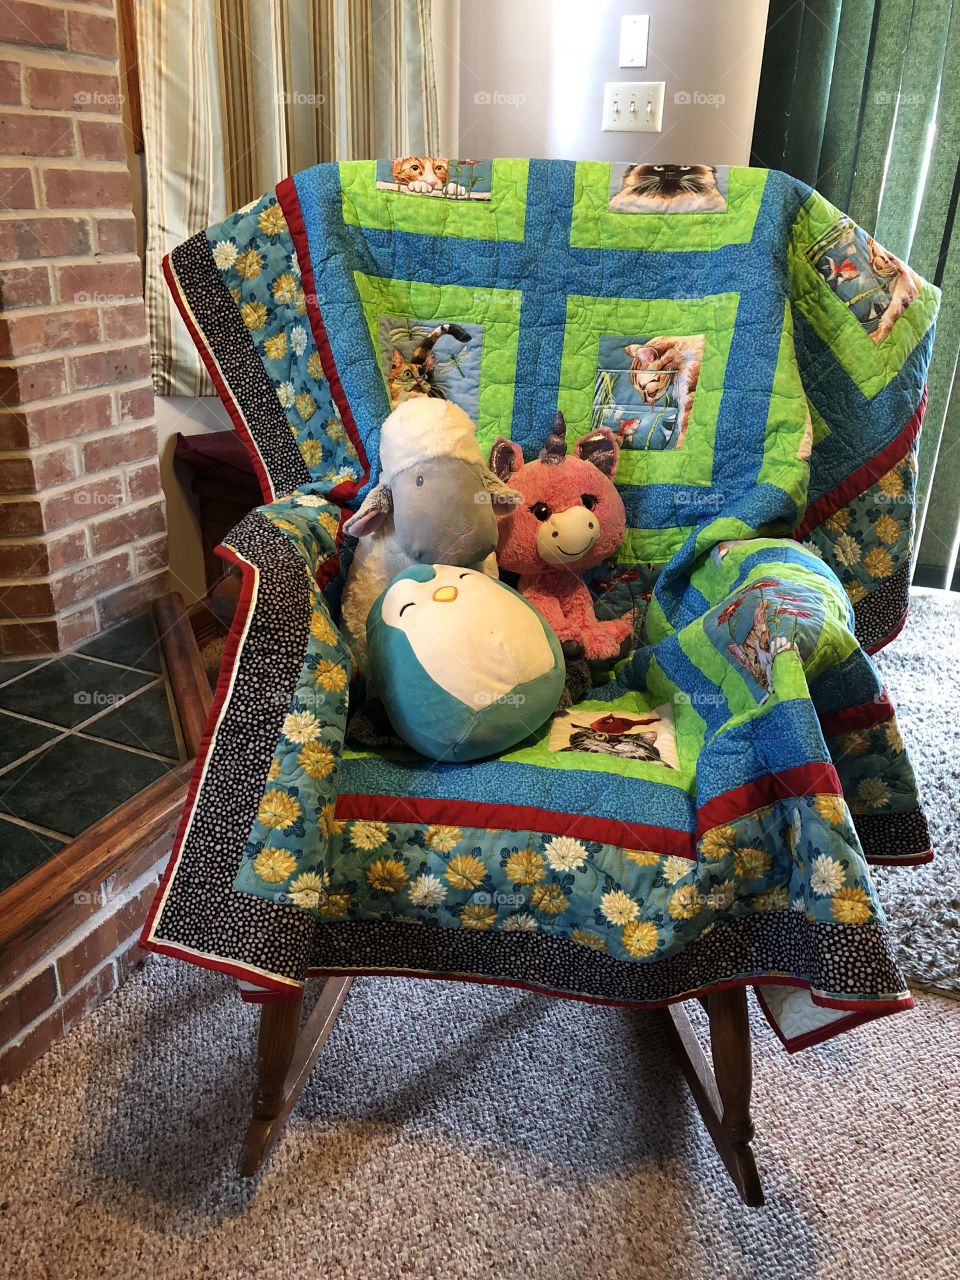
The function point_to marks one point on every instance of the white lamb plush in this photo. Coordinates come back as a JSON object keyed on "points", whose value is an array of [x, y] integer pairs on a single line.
{"points": [[434, 504]]}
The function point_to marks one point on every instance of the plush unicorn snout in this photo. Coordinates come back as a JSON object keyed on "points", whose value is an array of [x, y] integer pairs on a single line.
{"points": [[567, 536]]}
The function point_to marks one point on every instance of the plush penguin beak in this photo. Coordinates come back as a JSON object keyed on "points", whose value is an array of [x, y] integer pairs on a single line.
{"points": [[443, 594]]}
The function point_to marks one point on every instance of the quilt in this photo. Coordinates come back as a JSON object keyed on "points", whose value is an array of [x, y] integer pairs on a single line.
{"points": [[707, 815]]}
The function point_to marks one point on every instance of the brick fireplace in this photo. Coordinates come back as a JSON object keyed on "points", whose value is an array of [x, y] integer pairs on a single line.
{"points": [[82, 528], [82, 525]]}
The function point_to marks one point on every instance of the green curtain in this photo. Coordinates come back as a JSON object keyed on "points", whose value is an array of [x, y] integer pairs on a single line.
{"points": [[859, 98]]}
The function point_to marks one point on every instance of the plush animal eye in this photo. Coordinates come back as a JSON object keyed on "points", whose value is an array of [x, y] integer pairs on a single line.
{"points": [[658, 168], [408, 605], [419, 482], [589, 500], [541, 510]]}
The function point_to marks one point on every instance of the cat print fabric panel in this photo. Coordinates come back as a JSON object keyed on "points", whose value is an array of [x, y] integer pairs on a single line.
{"points": [[619, 735], [668, 188], [876, 286], [423, 357], [645, 386], [436, 176], [764, 619]]}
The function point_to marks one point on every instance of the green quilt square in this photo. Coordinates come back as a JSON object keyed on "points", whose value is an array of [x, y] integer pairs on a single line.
{"points": [[499, 218], [593, 320], [595, 226], [495, 312]]}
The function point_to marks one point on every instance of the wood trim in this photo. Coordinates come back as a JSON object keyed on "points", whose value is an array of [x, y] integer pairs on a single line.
{"points": [[148, 819], [130, 62], [191, 688]]}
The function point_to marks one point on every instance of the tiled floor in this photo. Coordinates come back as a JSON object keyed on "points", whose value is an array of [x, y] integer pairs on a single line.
{"points": [[80, 734]]}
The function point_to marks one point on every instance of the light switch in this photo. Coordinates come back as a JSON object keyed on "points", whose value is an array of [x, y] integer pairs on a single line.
{"points": [[632, 106], [634, 39]]}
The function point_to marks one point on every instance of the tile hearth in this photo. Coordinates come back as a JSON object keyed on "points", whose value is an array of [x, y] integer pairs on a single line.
{"points": [[80, 733]]}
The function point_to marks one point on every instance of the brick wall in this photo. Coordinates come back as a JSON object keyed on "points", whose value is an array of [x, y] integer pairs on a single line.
{"points": [[82, 527], [74, 962]]}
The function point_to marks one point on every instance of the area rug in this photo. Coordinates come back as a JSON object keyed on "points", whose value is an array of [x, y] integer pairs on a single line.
{"points": [[463, 1132], [921, 668]]}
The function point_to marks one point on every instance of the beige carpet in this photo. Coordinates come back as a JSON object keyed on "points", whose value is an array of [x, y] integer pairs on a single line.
{"points": [[922, 671], [460, 1131]]}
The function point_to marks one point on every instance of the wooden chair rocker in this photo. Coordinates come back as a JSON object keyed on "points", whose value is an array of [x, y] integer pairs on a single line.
{"points": [[288, 1046]]}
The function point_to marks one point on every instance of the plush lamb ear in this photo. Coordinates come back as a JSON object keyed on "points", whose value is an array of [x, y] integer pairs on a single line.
{"points": [[505, 458], [600, 448], [371, 513], [501, 495]]}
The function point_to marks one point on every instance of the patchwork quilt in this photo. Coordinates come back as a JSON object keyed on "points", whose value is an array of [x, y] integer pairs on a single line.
{"points": [[707, 814]]}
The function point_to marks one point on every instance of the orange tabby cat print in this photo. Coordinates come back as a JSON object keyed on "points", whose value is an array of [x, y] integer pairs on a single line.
{"points": [[668, 365], [901, 281], [425, 175]]}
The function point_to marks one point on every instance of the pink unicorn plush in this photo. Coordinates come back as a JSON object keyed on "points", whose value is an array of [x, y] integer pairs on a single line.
{"points": [[570, 519]]}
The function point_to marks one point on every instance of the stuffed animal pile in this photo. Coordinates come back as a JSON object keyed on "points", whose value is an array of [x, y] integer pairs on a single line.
{"points": [[462, 665]]}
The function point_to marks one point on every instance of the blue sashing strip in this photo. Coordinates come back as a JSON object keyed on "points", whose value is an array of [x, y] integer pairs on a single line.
{"points": [[868, 426], [600, 795]]}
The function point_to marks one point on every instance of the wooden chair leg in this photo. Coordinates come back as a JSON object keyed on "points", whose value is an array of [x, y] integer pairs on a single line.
{"points": [[722, 1095], [285, 1058], [733, 1070], [276, 1044]]}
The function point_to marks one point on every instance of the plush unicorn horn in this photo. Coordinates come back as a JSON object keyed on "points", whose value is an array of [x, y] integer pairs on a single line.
{"points": [[555, 450]]}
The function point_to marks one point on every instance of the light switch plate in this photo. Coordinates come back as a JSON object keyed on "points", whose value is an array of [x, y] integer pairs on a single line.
{"points": [[632, 106], [634, 39]]}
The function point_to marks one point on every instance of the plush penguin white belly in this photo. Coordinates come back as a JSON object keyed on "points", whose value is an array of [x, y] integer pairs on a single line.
{"points": [[465, 667]]}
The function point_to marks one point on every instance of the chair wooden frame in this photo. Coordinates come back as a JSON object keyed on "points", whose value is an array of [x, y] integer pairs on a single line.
{"points": [[286, 1053]]}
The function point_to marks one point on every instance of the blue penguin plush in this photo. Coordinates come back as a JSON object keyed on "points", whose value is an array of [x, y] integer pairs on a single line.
{"points": [[464, 666]]}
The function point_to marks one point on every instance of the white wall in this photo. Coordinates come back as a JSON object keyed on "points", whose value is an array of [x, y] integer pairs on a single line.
{"points": [[550, 58]]}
